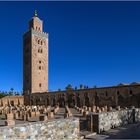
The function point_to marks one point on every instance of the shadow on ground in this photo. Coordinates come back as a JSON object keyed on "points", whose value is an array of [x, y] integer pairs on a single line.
{"points": [[131, 131]]}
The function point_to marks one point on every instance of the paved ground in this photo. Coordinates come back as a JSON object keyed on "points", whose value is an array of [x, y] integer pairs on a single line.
{"points": [[132, 131]]}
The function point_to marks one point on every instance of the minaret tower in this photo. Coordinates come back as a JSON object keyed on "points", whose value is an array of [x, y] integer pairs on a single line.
{"points": [[35, 57]]}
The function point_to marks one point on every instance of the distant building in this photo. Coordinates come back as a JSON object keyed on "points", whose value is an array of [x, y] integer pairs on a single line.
{"points": [[12, 100], [124, 95], [35, 61]]}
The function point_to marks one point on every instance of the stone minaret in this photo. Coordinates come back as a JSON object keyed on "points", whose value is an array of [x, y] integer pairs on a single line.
{"points": [[35, 58]]}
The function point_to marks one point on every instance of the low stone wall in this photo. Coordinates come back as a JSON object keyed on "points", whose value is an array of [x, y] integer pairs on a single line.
{"points": [[137, 115], [60, 129], [106, 120], [114, 119]]}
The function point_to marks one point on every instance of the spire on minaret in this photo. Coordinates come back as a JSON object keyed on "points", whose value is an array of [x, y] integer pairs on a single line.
{"points": [[35, 22], [35, 14]]}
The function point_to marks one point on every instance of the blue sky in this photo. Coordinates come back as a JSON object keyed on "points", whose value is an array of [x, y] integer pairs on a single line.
{"points": [[90, 43]]}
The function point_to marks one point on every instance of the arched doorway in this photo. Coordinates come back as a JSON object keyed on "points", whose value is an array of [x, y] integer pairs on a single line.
{"points": [[120, 100], [78, 102], [54, 101], [97, 100], [87, 101]]}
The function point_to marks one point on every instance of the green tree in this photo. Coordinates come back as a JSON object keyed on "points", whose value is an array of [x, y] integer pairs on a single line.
{"points": [[2, 94], [81, 86], [85, 87], [94, 86], [11, 91], [75, 88], [69, 87], [16, 93]]}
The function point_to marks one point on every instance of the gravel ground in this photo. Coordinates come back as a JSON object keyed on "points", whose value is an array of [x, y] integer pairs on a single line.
{"points": [[132, 131]]}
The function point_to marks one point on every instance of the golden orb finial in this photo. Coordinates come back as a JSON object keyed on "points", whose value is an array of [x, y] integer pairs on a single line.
{"points": [[35, 14]]}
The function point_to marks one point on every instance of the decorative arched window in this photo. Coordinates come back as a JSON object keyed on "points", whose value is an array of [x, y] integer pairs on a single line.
{"points": [[106, 93], [131, 92], [40, 50], [96, 94], [44, 42], [39, 84], [38, 41]]}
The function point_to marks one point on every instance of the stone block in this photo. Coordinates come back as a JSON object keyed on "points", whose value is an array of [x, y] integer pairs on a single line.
{"points": [[55, 110], [50, 115], [10, 122], [85, 107], [97, 107], [37, 113], [18, 113], [9, 116], [98, 110], [69, 113], [33, 114], [81, 111], [89, 108], [66, 115], [16, 116], [29, 112], [43, 118], [94, 110], [110, 109], [102, 109], [23, 117], [41, 111], [78, 109], [89, 123], [118, 108], [106, 108], [85, 113], [27, 117]]}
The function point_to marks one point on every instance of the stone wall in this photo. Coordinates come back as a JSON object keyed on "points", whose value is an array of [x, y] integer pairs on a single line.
{"points": [[61, 129], [123, 96], [137, 115], [12, 100], [107, 120]]}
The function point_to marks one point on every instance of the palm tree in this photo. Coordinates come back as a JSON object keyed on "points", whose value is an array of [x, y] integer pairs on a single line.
{"points": [[69, 86], [81, 86], [85, 87], [94, 86], [2, 95], [75, 88], [11, 91], [16, 93]]}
